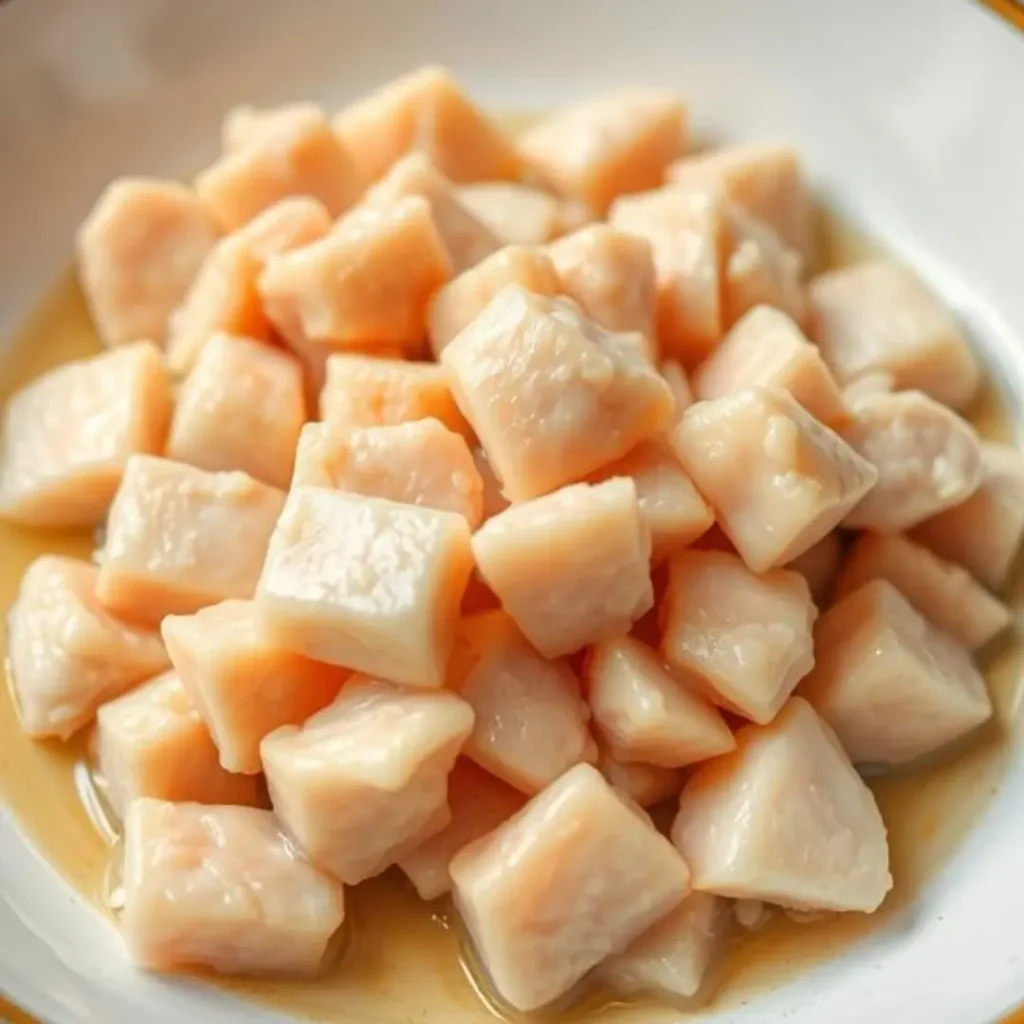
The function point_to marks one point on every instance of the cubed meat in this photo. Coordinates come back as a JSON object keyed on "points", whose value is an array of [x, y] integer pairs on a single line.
{"points": [[679, 383], [244, 125], [521, 215], [819, 565], [644, 784], [494, 501], [289, 224]]}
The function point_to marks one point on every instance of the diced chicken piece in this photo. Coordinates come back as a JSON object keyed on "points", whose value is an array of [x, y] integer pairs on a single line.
{"points": [[892, 686], [767, 348], [419, 463], [675, 376], [223, 888], [531, 721], [66, 436], [571, 568], [291, 223], [243, 125], [785, 818], [645, 784], [777, 479], [943, 592], [66, 655], [551, 395], [928, 460], [746, 640], [521, 215], [179, 538], [152, 742], [365, 781], [576, 875], [879, 316], [426, 111], [241, 407], [365, 583], [297, 155], [819, 565], [367, 284], [241, 684], [612, 144], [871, 383], [493, 499], [138, 251], [478, 802]]}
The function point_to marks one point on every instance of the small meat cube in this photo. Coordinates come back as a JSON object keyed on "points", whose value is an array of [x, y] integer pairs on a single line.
{"points": [[819, 565], [66, 436], [571, 568], [138, 251], [576, 875], [179, 538], [645, 784], [243, 125], [66, 655], [366, 583], [674, 374], [478, 803], [551, 395], [943, 592], [241, 407], [746, 640], [892, 686], [241, 684], [612, 144], [531, 722], [426, 111], [519, 214], [365, 781], [785, 818], [152, 742], [494, 500], [879, 316], [419, 463], [777, 479], [928, 460], [223, 887]]}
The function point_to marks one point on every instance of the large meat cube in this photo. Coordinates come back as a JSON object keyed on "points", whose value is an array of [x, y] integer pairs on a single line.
{"points": [[426, 111], [241, 407], [66, 654], [928, 459], [819, 565], [892, 686], [366, 583], [531, 722], [551, 395], [138, 252], [572, 567], [879, 316], [645, 784], [67, 435], [519, 214], [364, 782], [745, 639], [419, 463], [179, 538], [576, 875], [240, 683], [777, 479], [785, 818], [223, 887]]}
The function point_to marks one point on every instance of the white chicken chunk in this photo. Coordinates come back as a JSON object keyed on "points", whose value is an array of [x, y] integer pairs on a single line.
{"points": [[519, 214]]}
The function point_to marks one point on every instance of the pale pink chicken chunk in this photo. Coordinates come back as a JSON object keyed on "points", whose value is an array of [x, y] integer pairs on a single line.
{"points": [[571, 568], [67, 435], [519, 214], [365, 781], [892, 686], [67, 655], [785, 818], [819, 565], [645, 784], [224, 888]]}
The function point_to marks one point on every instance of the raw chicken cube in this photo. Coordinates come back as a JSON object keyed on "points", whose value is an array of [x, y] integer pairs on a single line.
{"points": [[494, 501], [892, 686], [67, 435], [746, 640], [138, 251], [364, 782], [785, 818], [645, 784], [571, 568], [244, 125], [675, 376], [551, 395], [65, 654], [240, 683], [819, 565], [879, 316], [419, 463], [519, 214], [777, 479], [289, 224], [576, 875], [223, 887], [179, 538], [366, 583]]}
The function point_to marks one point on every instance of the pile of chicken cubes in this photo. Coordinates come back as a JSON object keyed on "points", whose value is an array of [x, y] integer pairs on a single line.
{"points": [[463, 499]]}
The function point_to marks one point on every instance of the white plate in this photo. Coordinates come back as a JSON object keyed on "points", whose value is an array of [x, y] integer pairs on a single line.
{"points": [[910, 116]]}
